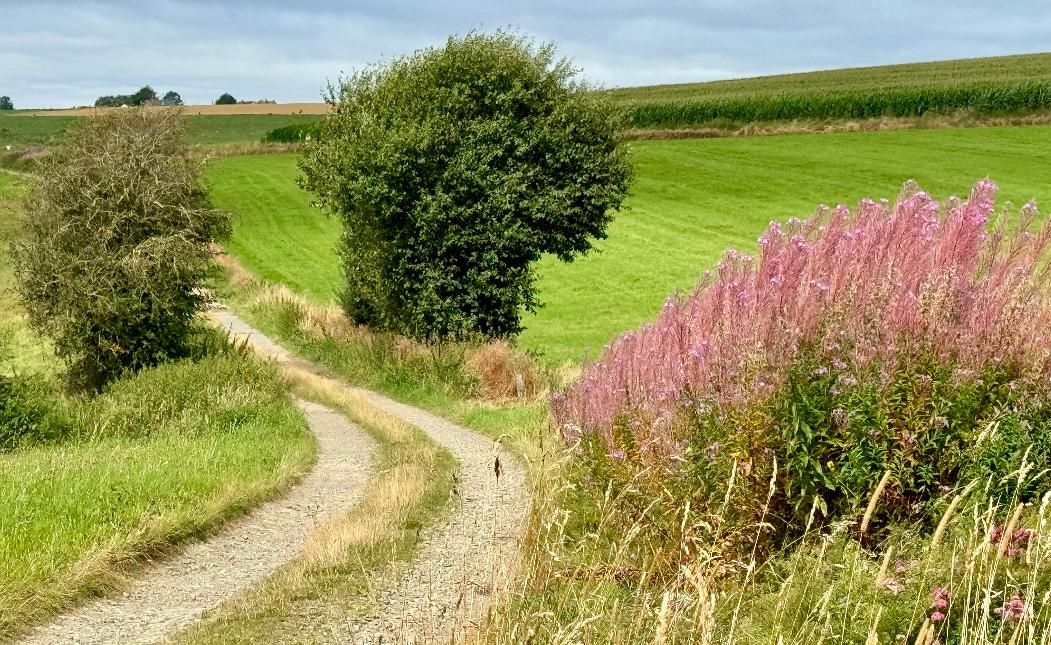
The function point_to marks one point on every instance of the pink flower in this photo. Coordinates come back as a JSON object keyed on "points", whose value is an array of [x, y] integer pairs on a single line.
{"points": [[1013, 609], [937, 617]]}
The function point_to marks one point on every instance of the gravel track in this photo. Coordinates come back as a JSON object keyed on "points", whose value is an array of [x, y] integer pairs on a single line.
{"points": [[175, 592], [462, 562]]}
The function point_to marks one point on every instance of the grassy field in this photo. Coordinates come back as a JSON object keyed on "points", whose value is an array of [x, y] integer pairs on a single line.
{"points": [[22, 129], [1005, 69], [692, 200], [159, 457]]}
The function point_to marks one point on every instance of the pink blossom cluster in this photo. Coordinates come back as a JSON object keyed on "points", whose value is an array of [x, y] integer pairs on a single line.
{"points": [[1017, 541], [939, 603], [1013, 609], [862, 285]]}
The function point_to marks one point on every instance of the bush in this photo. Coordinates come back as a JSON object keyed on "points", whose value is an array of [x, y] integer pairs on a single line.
{"points": [[902, 341], [295, 133], [454, 170], [117, 245], [225, 99]]}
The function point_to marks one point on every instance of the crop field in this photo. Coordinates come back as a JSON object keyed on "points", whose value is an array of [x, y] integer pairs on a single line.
{"points": [[23, 129], [692, 199], [1000, 85]]}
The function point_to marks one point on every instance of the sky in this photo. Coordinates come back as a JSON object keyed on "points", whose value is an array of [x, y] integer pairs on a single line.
{"points": [[62, 54]]}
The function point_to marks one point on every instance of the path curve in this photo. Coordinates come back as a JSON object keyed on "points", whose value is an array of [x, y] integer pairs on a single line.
{"points": [[462, 562], [179, 589]]}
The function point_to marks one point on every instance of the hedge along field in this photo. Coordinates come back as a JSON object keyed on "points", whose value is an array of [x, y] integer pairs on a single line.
{"points": [[692, 199], [22, 129]]}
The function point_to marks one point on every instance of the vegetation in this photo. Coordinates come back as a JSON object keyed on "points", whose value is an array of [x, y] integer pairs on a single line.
{"points": [[674, 223], [21, 130], [225, 99], [938, 74], [171, 98], [117, 246], [96, 486], [528, 164], [993, 86], [346, 564], [145, 95], [295, 133], [6, 103]]}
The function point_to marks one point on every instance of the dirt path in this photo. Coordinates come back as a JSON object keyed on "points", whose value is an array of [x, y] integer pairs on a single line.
{"points": [[464, 561], [175, 592]]}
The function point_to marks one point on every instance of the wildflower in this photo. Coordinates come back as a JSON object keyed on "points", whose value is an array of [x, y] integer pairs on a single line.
{"points": [[941, 422], [908, 440], [840, 417], [1013, 609], [937, 617], [996, 534], [838, 364], [1021, 537], [712, 451], [617, 454], [821, 371]]}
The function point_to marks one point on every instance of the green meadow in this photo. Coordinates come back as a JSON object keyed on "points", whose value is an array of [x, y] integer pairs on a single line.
{"points": [[692, 200], [27, 129]]}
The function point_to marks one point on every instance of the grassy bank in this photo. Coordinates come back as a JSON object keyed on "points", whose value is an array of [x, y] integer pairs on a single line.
{"points": [[692, 199], [159, 457]]}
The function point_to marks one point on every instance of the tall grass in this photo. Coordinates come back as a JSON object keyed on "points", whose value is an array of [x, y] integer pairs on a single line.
{"points": [[981, 98]]}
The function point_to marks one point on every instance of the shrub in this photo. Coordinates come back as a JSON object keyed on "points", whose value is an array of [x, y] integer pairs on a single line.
{"points": [[907, 340], [225, 99], [25, 405], [295, 133], [453, 170], [117, 245], [6, 103]]}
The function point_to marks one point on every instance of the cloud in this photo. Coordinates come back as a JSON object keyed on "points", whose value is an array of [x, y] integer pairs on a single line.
{"points": [[57, 54]]}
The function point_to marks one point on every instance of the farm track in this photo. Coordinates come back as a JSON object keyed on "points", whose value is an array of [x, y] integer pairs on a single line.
{"points": [[461, 563], [175, 592]]}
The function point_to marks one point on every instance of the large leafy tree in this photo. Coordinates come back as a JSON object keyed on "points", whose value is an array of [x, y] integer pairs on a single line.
{"points": [[117, 245], [454, 170], [6, 103]]}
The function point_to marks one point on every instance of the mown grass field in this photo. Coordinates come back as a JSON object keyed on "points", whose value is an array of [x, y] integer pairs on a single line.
{"points": [[692, 200], [26, 129], [159, 457]]}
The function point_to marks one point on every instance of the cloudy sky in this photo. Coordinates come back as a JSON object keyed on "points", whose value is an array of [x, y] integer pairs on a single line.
{"points": [[58, 54]]}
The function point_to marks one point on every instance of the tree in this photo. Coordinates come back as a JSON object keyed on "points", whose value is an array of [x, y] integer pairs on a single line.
{"points": [[225, 99], [6, 104], [172, 98], [454, 170], [145, 94], [117, 245]]}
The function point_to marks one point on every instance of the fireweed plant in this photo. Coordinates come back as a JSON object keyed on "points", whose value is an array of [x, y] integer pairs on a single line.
{"points": [[901, 348]]}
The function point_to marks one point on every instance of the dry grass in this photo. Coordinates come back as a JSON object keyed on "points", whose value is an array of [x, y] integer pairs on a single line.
{"points": [[204, 110]]}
